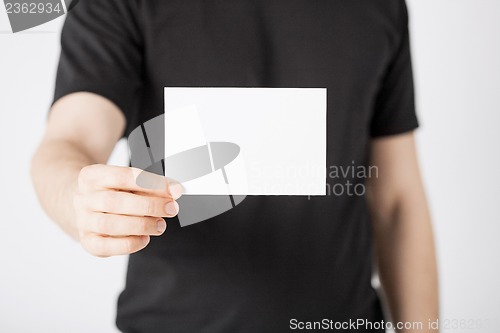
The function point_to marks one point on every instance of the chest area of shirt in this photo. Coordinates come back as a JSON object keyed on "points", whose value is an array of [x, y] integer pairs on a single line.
{"points": [[257, 43]]}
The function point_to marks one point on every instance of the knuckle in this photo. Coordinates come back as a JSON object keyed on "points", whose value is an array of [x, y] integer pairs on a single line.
{"points": [[89, 177], [102, 224], [149, 207], [144, 226], [100, 247], [94, 245], [80, 224], [108, 201], [129, 243], [86, 174], [121, 177]]}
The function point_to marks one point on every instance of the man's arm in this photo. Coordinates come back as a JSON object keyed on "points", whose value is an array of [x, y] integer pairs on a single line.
{"points": [[100, 206], [403, 234]]}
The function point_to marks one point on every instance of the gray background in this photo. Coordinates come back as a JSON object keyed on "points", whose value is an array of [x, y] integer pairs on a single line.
{"points": [[48, 284]]}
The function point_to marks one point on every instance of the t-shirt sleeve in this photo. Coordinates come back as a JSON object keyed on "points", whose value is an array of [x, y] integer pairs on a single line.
{"points": [[101, 52], [395, 103]]}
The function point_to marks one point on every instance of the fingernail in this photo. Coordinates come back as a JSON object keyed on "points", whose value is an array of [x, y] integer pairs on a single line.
{"points": [[176, 190], [172, 208], [161, 226]]}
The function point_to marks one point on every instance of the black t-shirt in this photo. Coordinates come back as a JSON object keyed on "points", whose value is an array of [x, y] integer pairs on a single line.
{"points": [[271, 259]]}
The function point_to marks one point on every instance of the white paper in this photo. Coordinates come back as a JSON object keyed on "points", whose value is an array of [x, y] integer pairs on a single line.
{"points": [[280, 132]]}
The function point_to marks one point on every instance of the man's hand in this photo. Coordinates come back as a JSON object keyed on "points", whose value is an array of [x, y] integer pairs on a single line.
{"points": [[103, 207], [114, 215]]}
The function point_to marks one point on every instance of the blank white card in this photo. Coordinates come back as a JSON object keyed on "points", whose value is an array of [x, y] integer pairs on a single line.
{"points": [[246, 141]]}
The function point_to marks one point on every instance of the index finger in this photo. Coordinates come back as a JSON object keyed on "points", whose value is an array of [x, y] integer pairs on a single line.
{"points": [[131, 179]]}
